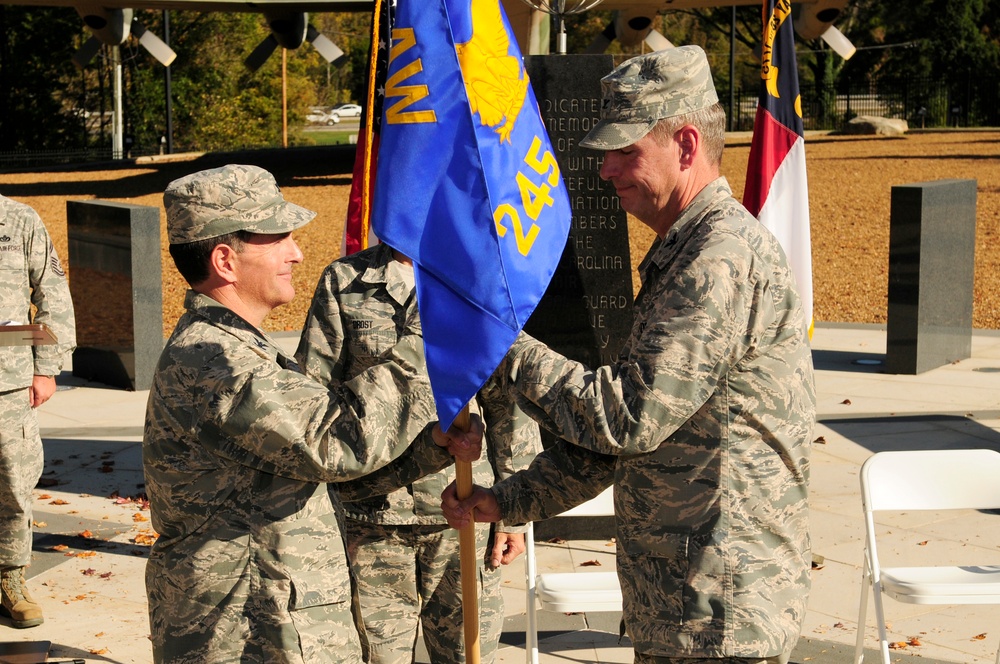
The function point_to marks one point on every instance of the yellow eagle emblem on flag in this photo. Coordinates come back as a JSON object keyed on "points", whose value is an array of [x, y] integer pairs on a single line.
{"points": [[495, 81]]}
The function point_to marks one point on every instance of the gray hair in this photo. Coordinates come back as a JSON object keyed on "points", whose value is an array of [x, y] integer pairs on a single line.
{"points": [[710, 123]]}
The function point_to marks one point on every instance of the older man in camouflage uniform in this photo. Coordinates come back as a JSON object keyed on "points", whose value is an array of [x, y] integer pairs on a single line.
{"points": [[250, 565], [404, 554], [704, 423], [32, 276]]}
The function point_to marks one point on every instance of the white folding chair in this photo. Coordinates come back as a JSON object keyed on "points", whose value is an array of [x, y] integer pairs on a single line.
{"points": [[925, 480], [568, 592]]}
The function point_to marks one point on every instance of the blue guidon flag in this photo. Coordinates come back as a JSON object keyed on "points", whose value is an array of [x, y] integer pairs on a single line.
{"points": [[467, 186], [776, 189]]}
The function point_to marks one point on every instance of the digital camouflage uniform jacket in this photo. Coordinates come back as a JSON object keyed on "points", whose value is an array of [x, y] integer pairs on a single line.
{"points": [[250, 562], [357, 313], [31, 274], [704, 426]]}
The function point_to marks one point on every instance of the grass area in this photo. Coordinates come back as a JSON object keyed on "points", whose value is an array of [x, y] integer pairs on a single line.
{"points": [[330, 136]]}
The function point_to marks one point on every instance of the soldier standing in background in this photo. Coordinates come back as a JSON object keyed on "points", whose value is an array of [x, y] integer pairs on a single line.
{"points": [[250, 565], [31, 276], [704, 423], [403, 553]]}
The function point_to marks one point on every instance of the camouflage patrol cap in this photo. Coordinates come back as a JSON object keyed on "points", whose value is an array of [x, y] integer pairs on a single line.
{"points": [[223, 200], [648, 88]]}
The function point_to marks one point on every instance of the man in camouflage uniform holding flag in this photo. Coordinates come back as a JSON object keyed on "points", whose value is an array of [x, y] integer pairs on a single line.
{"points": [[32, 276], [704, 423], [250, 564]]}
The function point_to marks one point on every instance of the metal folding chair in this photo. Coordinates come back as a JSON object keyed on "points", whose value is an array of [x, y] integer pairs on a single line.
{"points": [[568, 592], [925, 480]]}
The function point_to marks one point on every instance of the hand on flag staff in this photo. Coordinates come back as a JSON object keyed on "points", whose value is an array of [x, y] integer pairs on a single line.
{"points": [[464, 445]]}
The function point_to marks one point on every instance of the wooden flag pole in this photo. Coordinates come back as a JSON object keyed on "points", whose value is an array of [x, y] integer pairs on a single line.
{"points": [[467, 551], [368, 131]]}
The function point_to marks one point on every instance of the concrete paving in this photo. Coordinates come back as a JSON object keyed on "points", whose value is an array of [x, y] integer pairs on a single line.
{"points": [[92, 535]]}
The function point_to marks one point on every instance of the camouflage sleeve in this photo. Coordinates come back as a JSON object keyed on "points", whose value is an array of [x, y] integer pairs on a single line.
{"points": [[51, 298], [514, 438], [697, 330], [281, 422], [561, 477], [321, 346], [421, 458]]}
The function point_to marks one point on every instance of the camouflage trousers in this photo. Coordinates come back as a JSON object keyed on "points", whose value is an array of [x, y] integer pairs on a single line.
{"points": [[652, 659], [20, 467], [410, 576], [244, 619]]}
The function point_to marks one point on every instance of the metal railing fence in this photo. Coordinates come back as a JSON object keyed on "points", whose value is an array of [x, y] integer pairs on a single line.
{"points": [[964, 101]]}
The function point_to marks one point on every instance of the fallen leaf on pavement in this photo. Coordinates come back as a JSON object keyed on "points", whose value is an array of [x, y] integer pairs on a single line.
{"points": [[145, 538]]}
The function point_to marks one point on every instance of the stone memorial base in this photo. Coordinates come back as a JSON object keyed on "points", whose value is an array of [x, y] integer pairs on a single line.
{"points": [[116, 284], [932, 246]]}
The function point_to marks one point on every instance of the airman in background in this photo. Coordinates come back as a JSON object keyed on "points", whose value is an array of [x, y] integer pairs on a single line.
{"points": [[404, 554], [31, 275]]}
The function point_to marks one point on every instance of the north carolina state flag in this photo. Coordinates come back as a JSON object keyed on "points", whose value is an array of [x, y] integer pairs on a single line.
{"points": [[776, 191]]}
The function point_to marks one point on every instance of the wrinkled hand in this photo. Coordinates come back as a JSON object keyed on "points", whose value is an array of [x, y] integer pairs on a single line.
{"points": [[457, 512], [42, 387], [463, 445], [506, 548]]}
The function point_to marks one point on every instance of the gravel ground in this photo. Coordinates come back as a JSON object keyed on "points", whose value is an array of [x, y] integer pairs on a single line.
{"points": [[849, 192]]}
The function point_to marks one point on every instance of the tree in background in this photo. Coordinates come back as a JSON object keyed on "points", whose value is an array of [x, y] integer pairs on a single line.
{"points": [[218, 104], [45, 102], [35, 49], [351, 31], [940, 51], [949, 37]]}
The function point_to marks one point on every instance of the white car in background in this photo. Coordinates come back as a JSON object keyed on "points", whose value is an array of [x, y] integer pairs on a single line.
{"points": [[341, 111], [320, 115]]}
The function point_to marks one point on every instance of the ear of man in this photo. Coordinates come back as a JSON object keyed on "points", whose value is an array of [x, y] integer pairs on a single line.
{"points": [[222, 263], [689, 141]]}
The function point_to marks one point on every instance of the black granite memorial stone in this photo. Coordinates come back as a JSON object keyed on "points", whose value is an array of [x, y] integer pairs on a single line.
{"points": [[116, 284], [932, 244], [586, 313]]}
